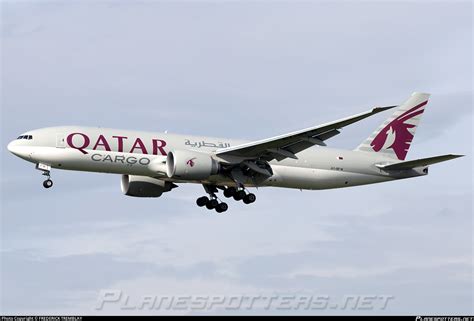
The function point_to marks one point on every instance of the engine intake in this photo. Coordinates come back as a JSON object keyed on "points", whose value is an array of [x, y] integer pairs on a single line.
{"points": [[190, 165], [143, 186]]}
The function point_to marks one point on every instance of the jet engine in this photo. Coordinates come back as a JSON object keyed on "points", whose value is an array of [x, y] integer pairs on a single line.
{"points": [[143, 186], [190, 165]]}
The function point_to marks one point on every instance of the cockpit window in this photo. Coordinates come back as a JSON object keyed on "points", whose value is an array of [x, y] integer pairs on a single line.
{"points": [[28, 137]]}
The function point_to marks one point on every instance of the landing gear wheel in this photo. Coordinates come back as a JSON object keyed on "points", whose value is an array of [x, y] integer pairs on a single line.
{"points": [[212, 204], [239, 195], [222, 207], [202, 201], [48, 183], [250, 198], [229, 192]]}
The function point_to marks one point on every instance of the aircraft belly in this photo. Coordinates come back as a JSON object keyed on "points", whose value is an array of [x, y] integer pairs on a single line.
{"points": [[314, 179]]}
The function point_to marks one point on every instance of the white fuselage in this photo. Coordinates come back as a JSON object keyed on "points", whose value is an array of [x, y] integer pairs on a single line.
{"points": [[141, 153]]}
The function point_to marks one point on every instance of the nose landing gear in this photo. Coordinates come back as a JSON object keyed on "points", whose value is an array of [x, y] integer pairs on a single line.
{"points": [[46, 169], [48, 183]]}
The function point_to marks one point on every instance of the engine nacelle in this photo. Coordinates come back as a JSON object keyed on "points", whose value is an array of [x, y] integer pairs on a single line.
{"points": [[143, 186], [190, 165]]}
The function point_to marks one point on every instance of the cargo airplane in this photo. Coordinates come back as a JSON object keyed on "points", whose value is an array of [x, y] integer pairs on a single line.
{"points": [[154, 163]]}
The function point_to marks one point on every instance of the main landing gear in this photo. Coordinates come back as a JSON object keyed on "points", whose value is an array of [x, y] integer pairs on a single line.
{"points": [[46, 169], [212, 202], [240, 195]]}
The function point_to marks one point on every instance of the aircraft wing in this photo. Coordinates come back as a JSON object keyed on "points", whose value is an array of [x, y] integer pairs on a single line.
{"points": [[287, 145]]}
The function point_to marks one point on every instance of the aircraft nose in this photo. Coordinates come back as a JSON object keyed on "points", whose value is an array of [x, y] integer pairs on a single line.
{"points": [[11, 147], [17, 150]]}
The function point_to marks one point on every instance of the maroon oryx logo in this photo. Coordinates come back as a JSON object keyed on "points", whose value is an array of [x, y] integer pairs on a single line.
{"points": [[190, 162], [397, 135]]}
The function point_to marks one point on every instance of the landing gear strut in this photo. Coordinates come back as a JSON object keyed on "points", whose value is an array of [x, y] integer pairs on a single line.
{"points": [[211, 202]]}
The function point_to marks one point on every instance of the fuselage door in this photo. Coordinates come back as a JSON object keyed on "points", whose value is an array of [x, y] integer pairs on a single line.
{"points": [[60, 140]]}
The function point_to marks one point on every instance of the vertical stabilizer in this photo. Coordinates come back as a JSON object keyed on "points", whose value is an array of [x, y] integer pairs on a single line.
{"points": [[395, 135]]}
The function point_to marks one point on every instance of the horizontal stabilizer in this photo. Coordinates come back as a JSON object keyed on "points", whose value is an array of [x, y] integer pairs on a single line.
{"points": [[419, 162]]}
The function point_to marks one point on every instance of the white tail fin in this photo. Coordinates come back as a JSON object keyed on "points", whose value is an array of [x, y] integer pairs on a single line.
{"points": [[395, 135]]}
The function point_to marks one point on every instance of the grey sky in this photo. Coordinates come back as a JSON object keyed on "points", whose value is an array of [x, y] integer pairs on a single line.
{"points": [[242, 70]]}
